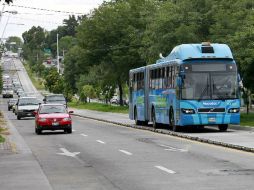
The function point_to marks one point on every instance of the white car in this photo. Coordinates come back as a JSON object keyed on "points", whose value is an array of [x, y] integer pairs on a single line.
{"points": [[26, 106], [7, 93]]}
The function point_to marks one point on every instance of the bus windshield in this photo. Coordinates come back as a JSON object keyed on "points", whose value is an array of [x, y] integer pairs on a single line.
{"points": [[213, 85]]}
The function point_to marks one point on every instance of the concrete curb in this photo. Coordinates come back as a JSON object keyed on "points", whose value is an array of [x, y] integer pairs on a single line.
{"points": [[175, 134]]}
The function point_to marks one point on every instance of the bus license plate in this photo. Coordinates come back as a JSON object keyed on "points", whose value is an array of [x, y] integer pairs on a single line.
{"points": [[211, 119]]}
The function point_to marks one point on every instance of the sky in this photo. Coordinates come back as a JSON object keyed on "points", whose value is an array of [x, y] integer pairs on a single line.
{"points": [[16, 24]]}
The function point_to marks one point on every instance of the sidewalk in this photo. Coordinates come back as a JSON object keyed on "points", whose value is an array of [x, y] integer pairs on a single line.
{"points": [[237, 137], [19, 168]]}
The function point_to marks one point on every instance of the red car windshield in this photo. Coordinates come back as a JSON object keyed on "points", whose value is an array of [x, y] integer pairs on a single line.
{"points": [[53, 109]]}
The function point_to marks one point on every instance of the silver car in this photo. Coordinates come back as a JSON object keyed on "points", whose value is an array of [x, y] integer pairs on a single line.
{"points": [[26, 106]]}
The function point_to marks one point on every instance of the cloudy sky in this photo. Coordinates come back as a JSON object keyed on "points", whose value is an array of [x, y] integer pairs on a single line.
{"points": [[32, 16]]}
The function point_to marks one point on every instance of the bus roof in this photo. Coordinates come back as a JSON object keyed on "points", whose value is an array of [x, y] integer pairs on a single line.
{"points": [[204, 50]]}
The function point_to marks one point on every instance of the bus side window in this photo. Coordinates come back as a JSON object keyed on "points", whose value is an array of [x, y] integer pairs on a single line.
{"points": [[135, 82], [150, 79], [157, 79], [173, 77]]}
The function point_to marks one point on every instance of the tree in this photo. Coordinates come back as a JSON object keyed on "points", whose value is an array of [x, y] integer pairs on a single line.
{"points": [[13, 43], [54, 82], [117, 51], [87, 92], [8, 1], [34, 42]]}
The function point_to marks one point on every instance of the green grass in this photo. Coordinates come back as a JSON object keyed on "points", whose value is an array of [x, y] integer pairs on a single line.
{"points": [[99, 107], [36, 82], [2, 139], [247, 119]]}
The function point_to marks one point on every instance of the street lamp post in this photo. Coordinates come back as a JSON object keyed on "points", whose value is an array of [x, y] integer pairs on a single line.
{"points": [[57, 56], [10, 12]]}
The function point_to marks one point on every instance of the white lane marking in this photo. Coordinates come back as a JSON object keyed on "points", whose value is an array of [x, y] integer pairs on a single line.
{"points": [[99, 141], [165, 169], [65, 152], [170, 148], [73, 130], [126, 152], [84, 135]]}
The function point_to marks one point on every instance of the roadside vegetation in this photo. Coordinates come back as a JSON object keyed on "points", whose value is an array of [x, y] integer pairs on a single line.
{"points": [[100, 54], [2, 128], [37, 82], [99, 107], [247, 119]]}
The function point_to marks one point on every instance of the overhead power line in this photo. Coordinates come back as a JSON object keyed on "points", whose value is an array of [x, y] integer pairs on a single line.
{"points": [[35, 20], [49, 10]]}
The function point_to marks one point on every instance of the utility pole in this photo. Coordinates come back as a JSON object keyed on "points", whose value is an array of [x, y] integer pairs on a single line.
{"points": [[1, 13], [57, 52]]}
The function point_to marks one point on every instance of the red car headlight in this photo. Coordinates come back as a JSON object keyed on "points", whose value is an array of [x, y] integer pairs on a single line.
{"points": [[67, 119]]}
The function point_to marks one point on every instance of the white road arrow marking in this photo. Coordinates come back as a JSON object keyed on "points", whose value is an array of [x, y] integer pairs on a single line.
{"points": [[65, 152], [170, 148]]}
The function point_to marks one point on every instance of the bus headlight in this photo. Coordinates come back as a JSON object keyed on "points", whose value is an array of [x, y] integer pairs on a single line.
{"points": [[188, 111], [233, 110]]}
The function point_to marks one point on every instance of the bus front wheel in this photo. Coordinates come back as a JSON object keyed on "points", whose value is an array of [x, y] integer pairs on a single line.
{"points": [[223, 127]]}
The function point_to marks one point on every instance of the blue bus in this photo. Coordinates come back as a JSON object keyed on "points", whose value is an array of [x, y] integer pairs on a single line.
{"points": [[195, 85]]}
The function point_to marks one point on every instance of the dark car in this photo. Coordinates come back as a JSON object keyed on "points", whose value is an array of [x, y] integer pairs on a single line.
{"points": [[11, 103], [53, 117], [55, 99]]}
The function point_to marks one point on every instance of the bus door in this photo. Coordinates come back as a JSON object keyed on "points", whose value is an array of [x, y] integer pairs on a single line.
{"points": [[138, 95], [131, 96]]}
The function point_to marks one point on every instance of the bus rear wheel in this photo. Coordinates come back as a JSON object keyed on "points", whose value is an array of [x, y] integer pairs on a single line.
{"points": [[155, 125], [175, 127], [137, 122], [223, 127]]}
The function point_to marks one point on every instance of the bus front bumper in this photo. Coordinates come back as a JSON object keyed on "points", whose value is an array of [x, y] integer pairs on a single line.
{"points": [[209, 119]]}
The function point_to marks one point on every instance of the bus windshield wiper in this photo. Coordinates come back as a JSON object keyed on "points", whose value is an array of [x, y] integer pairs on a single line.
{"points": [[204, 91]]}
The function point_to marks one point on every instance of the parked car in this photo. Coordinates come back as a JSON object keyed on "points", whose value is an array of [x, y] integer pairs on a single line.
{"points": [[26, 106], [53, 117], [55, 99], [11, 103]]}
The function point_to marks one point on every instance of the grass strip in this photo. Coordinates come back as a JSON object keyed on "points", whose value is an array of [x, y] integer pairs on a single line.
{"points": [[247, 119], [99, 107], [36, 81], [2, 139]]}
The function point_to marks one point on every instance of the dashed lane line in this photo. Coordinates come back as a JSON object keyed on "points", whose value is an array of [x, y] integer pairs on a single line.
{"points": [[165, 169], [126, 152], [99, 141], [84, 135]]}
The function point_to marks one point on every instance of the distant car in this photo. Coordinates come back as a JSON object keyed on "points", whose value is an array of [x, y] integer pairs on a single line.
{"points": [[55, 99], [7, 92], [26, 106], [114, 101], [53, 117], [11, 103]]}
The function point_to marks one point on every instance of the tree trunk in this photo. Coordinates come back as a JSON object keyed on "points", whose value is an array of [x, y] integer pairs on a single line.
{"points": [[120, 94]]}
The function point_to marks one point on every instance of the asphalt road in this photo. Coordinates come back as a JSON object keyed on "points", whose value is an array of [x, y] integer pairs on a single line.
{"points": [[104, 156]]}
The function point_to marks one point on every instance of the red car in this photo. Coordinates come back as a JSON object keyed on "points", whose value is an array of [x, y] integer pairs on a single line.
{"points": [[53, 117]]}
